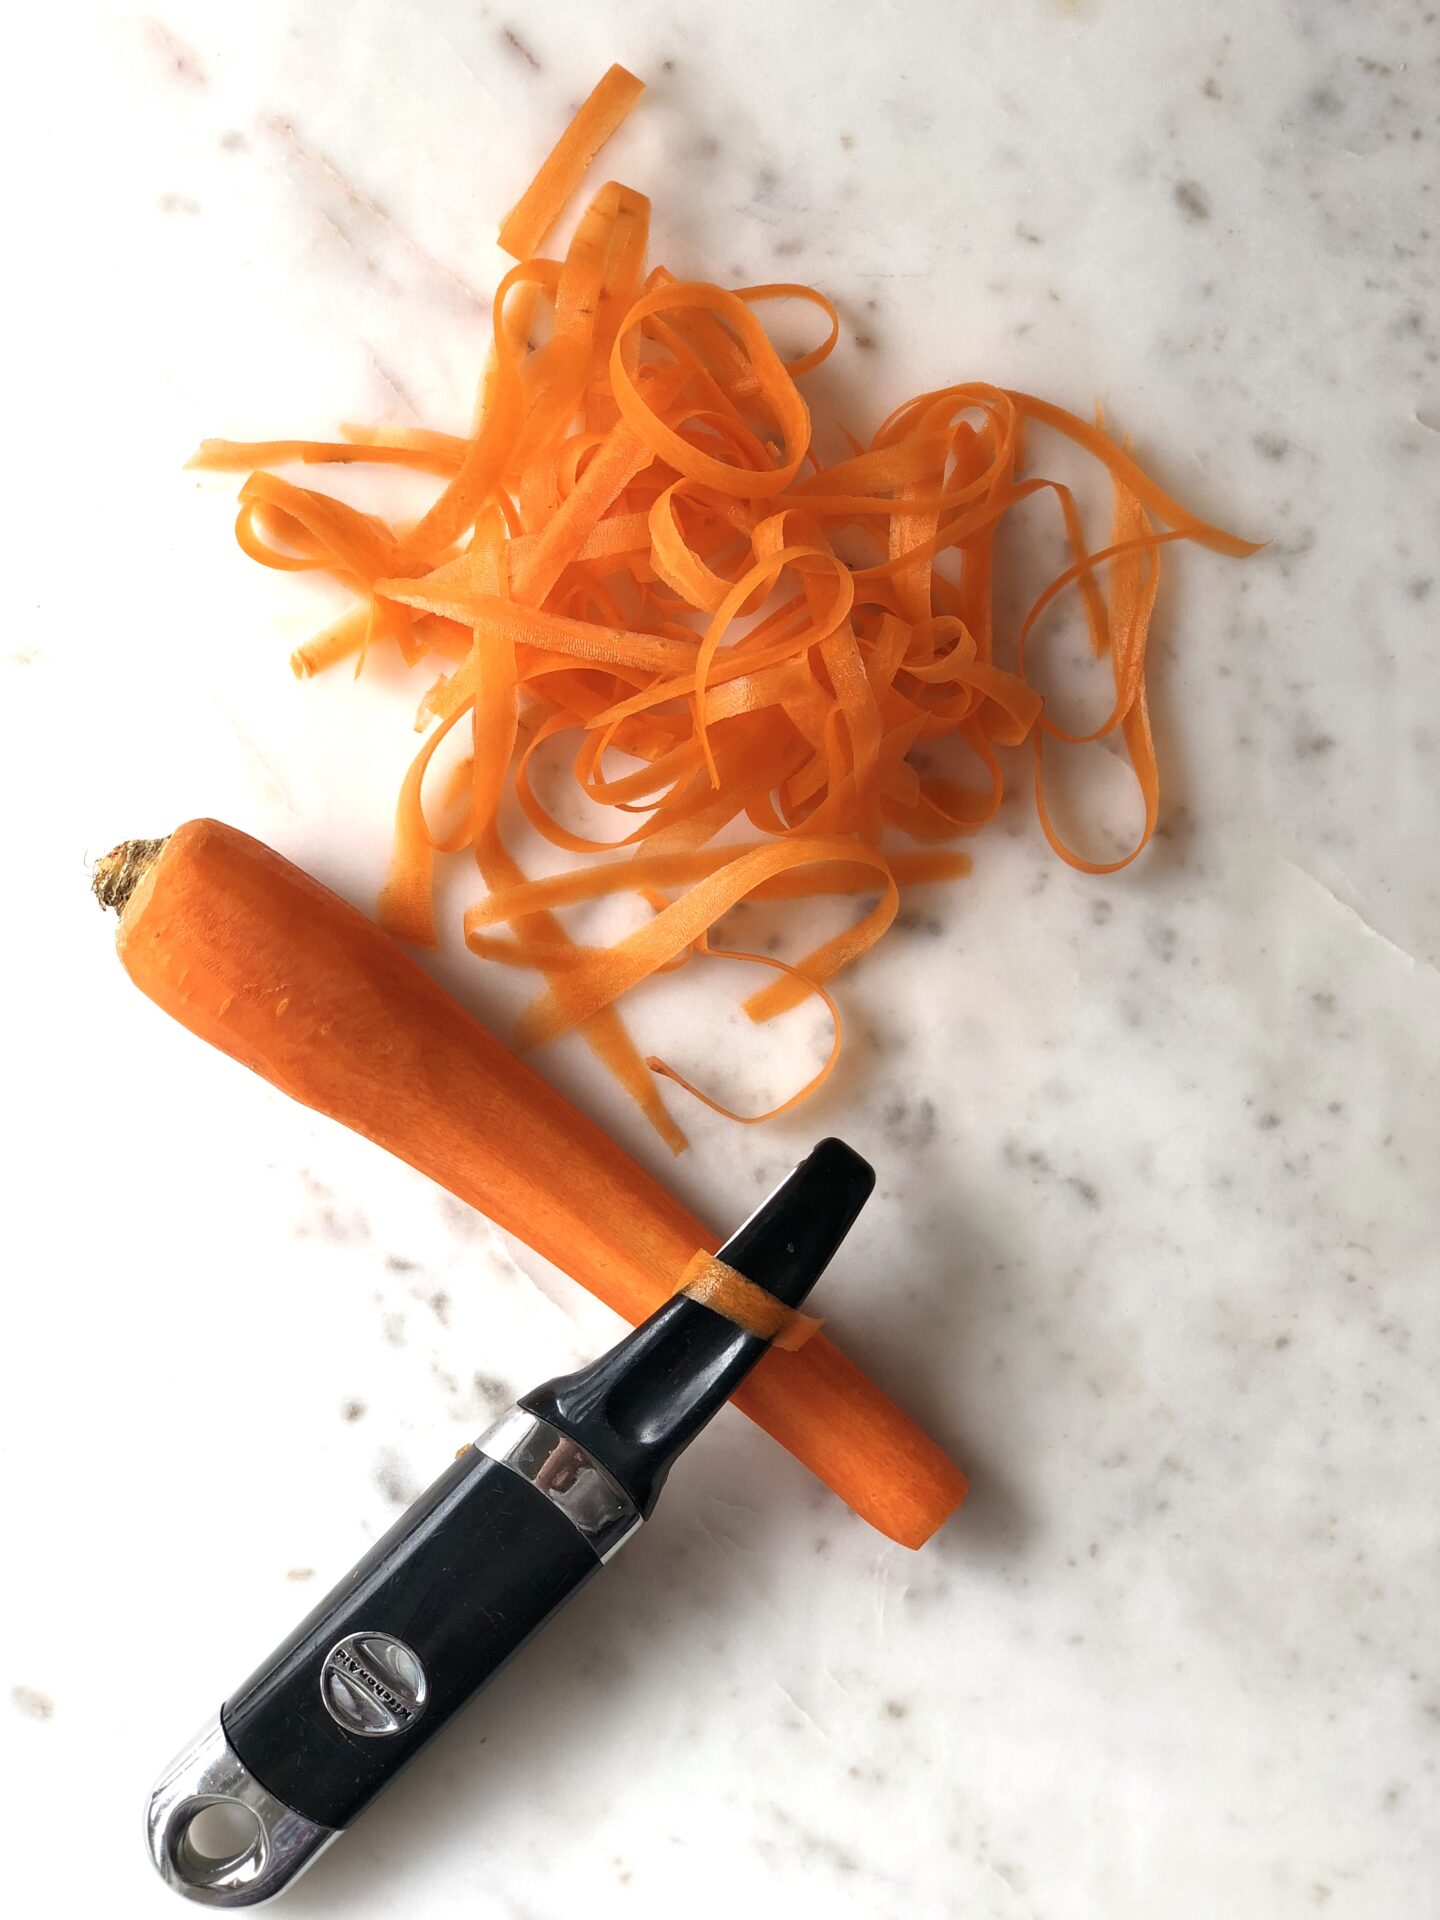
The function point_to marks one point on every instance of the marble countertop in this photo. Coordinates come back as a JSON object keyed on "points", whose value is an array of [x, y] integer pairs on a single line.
{"points": [[1154, 1247]]}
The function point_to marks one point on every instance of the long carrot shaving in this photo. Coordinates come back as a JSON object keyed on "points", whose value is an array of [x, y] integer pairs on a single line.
{"points": [[527, 225], [427, 453], [768, 665]]}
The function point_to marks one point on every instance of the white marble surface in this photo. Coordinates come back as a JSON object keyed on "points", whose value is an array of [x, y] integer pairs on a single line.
{"points": [[1155, 1240]]}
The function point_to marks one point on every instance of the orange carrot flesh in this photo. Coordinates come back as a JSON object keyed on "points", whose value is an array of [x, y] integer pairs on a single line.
{"points": [[527, 225], [261, 961], [640, 556]]}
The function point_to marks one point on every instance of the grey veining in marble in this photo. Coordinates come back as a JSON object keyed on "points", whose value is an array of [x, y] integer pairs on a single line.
{"points": [[1155, 1243]]}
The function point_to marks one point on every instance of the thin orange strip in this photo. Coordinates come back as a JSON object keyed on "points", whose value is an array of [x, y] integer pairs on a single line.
{"points": [[725, 1291]]}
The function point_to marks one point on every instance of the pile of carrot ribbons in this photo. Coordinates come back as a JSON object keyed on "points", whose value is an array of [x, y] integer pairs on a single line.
{"points": [[637, 550]]}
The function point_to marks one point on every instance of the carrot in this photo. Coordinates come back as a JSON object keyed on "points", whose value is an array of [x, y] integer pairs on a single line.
{"points": [[526, 226], [641, 559], [263, 962]]}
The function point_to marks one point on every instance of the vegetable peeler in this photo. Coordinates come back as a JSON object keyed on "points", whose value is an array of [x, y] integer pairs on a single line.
{"points": [[517, 1524]]}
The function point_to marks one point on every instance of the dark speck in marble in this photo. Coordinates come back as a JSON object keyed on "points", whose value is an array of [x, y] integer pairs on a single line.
{"points": [[1322, 1001], [1324, 101], [1211, 88], [1100, 912], [393, 1478], [34, 1704], [182, 63], [1310, 746], [1028, 235], [397, 1263], [1086, 1191], [667, 66], [896, 1709], [1268, 1122], [911, 1125], [1419, 589], [912, 922], [517, 45], [1296, 546], [438, 1303], [491, 1389], [234, 141], [767, 181], [847, 141], [1039, 1163], [352, 1409], [865, 342], [1192, 200], [1274, 446]]}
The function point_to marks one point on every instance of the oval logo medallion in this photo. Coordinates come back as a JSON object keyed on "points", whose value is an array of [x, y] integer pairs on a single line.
{"points": [[372, 1684]]}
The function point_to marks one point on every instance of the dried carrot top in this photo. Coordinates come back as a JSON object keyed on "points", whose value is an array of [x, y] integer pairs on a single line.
{"points": [[639, 550]]}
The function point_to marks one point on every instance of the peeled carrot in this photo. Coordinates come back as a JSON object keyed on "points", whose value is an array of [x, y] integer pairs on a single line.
{"points": [[263, 962], [640, 555]]}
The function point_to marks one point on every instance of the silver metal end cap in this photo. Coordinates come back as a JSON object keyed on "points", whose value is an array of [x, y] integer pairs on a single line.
{"points": [[220, 1838]]}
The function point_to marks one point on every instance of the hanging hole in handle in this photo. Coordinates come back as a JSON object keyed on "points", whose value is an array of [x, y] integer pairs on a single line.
{"points": [[217, 1843]]}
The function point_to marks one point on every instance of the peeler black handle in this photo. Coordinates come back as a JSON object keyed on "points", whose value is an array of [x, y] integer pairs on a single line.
{"points": [[518, 1523], [437, 1606]]}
